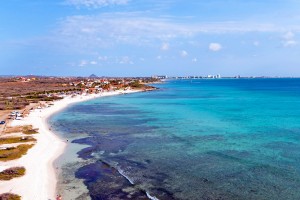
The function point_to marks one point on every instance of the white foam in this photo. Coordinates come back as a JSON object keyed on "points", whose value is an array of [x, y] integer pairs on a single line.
{"points": [[122, 172], [151, 197]]}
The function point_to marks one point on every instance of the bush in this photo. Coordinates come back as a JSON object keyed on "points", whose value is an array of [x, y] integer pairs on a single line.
{"points": [[11, 173], [24, 129], [14, 152], [28, 130], [9, 196], [10, 140], [136, 84]]}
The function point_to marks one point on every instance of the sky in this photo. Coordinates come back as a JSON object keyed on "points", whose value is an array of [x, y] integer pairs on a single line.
{"points": [[150, 37]]}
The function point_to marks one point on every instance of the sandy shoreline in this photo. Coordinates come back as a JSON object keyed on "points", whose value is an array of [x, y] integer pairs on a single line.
{"points": [[40, 179]]}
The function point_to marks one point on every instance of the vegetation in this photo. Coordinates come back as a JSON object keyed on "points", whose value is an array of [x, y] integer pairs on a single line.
{"points": [[151, 80], [10, 140], [136, 84], [28, 130], [13, 129], [11, 173], [17, 103], [9, 196], [12, 153], [18, 92]]}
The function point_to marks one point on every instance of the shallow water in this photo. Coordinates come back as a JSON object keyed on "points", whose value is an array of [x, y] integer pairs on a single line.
{"points": [[192, 139]]}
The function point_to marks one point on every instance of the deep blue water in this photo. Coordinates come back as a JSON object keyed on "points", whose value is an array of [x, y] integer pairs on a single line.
{"points": [[191, 139]]}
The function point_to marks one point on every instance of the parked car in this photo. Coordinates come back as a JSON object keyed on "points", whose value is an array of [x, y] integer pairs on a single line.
{"points": [[2, 122]]}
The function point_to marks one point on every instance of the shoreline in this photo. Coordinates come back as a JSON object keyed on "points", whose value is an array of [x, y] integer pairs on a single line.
{"points": [[40, 180]]}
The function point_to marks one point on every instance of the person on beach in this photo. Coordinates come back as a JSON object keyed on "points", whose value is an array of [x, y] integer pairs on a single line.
{"points": [[58, 197]]}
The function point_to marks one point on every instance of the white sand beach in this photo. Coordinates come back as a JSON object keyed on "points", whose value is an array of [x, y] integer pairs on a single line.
{"points": [[40, 179]]}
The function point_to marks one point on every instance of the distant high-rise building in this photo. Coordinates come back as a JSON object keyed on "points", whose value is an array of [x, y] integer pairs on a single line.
{"points": [[162, 77]]}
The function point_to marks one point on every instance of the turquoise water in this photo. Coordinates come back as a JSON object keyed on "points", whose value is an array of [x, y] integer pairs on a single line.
{"points": [[191, 139]]}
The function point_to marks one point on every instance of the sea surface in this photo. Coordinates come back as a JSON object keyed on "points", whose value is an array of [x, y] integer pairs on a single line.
{"points": [[190, 139]]}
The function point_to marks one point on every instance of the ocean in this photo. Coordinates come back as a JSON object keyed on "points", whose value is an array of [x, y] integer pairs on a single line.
{"points": [[190, 139]]}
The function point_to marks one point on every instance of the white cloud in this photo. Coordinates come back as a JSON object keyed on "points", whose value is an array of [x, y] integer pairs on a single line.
{"points": [[92, 33], [165, 46], [183, 53], [288, 39], [114, 60], [158, 57], [132, 28], [125, 60], [194, 60], [290, 43], [95, 3], [108, 30], [215, 47], [256, 43], [83, 63], [288, 35], [93, 62], [103, 58]]}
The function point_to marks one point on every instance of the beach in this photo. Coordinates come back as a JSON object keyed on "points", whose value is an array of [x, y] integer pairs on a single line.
{"points": [[40, 179]]}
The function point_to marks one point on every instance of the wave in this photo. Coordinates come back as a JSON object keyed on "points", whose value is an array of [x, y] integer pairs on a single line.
{"points": [[122, 172], [151, 197]]}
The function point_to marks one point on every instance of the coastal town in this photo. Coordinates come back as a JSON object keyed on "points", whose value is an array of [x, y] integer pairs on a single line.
{"points": [[27, 145], [18, 92]]}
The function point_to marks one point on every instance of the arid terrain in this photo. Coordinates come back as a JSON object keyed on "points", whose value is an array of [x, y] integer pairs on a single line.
{"points": [[24, 93], [16, 93]]}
